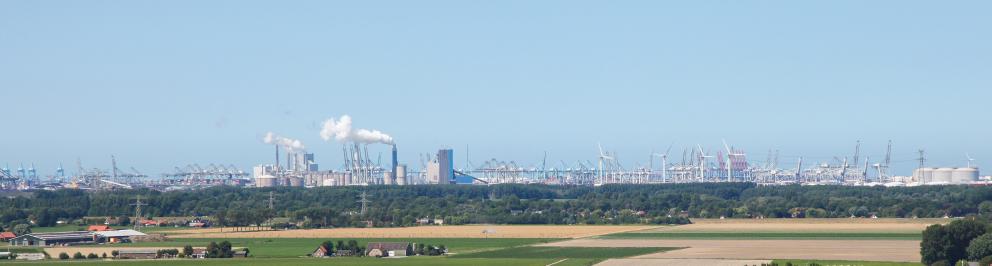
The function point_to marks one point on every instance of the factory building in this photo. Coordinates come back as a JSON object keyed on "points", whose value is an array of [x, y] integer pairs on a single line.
{"points": [[441, 169]]}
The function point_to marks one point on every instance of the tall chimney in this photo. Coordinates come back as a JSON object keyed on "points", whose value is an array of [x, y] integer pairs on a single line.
{"points": [[394, 160], [277, 162]]}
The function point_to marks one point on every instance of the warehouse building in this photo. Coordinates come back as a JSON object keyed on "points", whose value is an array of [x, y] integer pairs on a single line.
{"points": [[55, 239]]}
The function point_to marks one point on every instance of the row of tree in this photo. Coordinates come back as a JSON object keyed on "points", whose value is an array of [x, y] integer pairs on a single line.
{"points": [[504, 204], [968, 239], [350, 248]]}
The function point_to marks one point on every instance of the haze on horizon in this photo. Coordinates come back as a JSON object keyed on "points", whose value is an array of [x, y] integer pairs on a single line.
{"points": [[168, 83]]}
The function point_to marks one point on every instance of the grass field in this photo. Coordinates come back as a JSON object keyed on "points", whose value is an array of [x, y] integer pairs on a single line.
{"points": [[782, 262], [310, 261], [764, 235], [296, 247]]}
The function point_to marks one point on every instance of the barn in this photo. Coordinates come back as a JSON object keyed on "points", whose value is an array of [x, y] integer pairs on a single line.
{"points": [[388, 249], [54, 239]]}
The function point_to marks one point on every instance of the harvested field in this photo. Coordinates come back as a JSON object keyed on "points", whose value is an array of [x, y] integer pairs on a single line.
{"points": [[459, 231], [867, 250], [680, 262], [835, 225]]}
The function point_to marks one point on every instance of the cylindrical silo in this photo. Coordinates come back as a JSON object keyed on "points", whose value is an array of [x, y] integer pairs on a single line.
{"points": [[265, 181], [401, 175], [387, 178], [942, 175], [964, 175], [923, 174], [295, 182]]}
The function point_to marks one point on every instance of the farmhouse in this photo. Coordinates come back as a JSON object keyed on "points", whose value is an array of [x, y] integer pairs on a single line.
{"points": [[54, 239], [320, 252], [198, 253], [7, 236], [388, 249]]}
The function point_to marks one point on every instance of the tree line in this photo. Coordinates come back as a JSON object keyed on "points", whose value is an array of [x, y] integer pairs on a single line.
{"points": [[503, 204]]}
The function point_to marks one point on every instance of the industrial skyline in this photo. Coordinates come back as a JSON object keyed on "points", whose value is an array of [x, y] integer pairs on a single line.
{"points": [[87, 81]]}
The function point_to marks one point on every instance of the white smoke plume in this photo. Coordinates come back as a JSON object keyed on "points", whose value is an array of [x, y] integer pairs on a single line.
{"points": [[342, 131], [290, 145]]}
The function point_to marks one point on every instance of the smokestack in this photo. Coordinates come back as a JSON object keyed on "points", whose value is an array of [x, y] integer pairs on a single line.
{"points": [[277, 162], [394, 160]]}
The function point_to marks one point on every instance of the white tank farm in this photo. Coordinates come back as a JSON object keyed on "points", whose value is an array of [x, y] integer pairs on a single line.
{"points": [[923, 174], [942, 175], [964, 175], [265, 181]]}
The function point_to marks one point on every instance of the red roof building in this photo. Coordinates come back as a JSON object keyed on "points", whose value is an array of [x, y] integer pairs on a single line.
{"points": [[5, 236], [97, 228]]}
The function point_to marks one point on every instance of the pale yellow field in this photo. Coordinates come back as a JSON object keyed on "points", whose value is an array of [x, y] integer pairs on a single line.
{"points": [[868, 250], [836, 225], [454, 231]]}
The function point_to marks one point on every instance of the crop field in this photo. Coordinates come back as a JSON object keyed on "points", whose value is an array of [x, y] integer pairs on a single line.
{"points": [[847, 263], [297, 247], [895, 240], [849, 242], [310, 261], [812, 229], [564, 252], [831, 226], [868, 250], [457, 231], [766, 235]]}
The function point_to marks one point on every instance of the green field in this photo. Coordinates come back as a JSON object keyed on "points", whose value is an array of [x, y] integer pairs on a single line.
{"points": [[413, 261], [563, 252], [782, 262], [465, 251], [297, 247], [765, 235]]}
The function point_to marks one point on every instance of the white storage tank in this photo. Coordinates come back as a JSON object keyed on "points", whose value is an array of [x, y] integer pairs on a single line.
{"points": [[964, 175], [387, 178], [923, 174], [295, 182], [942, 175], [265, 181], [401, 178]]}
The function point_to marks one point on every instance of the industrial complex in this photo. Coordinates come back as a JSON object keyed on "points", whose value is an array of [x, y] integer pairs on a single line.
{"points": [[298, 168], [293, 166]]}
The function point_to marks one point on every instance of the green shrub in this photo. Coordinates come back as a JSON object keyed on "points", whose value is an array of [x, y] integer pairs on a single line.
{"points": [[63, 256], [78, 256]]}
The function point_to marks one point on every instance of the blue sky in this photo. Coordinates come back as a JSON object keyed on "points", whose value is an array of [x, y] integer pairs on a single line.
{"points": [[167, 83]]}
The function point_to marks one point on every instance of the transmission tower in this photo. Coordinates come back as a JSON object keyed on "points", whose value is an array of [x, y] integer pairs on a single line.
{"points": [[137, 211], [364, 201], [272, 201], [923, 160]]}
